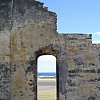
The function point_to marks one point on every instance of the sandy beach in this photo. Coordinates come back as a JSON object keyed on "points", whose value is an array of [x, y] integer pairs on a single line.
{"points": [[45, 83], [46, 88]]}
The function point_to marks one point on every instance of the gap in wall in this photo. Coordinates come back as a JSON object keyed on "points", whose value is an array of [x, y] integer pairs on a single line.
{"points": [[46, 78]]}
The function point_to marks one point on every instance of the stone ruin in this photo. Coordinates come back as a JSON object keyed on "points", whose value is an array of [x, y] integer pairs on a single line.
{"points": [[27, 31]]}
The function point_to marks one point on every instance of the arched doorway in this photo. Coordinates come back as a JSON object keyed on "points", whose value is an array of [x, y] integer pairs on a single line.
{"points": [[61, 69], [46, 78]]}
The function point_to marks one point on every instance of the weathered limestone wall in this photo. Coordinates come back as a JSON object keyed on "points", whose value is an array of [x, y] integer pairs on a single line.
{"points": [[4, 65], [33, 26], [31, 32], [5, 25], [5, 14], [83, 68]]}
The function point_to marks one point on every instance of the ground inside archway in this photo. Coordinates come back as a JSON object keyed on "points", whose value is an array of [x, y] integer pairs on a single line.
{"points": [[46, 88]]}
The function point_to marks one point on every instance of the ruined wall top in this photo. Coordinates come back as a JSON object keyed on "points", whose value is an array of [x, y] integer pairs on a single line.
{"points": [[16, 13], [77, 36], [19, 13]]}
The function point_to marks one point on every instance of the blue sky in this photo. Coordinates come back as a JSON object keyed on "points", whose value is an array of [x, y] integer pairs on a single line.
{"points": [[77, 16], [47, 63]]}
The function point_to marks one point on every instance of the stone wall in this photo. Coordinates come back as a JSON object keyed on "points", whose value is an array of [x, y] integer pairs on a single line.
{"points": [[30, 32]]}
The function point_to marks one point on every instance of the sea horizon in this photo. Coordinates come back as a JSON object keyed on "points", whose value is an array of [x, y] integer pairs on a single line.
{"points": [[46, 74]]}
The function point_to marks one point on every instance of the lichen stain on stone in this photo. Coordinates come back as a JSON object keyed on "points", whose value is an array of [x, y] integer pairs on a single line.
{"points": [[18, 85]]}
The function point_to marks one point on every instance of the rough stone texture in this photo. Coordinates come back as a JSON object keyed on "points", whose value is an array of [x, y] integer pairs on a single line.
{"points": [[27, 31]]}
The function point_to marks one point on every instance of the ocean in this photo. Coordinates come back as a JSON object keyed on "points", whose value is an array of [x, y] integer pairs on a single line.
{"points": [[46, 75]]}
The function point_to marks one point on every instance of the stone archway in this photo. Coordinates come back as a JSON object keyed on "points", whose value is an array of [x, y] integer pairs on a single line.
{"points": [[61, 70], [49, 51]]}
